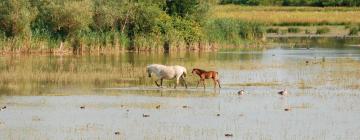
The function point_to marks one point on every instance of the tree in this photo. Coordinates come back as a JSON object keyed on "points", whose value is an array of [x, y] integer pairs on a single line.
{"points": [[15, 17]]}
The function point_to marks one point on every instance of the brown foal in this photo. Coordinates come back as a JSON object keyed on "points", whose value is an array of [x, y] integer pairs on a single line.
{"points": [[206, 75]]}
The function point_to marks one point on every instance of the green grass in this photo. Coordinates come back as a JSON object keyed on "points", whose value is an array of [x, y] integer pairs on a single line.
{"points": [[230, 31], [273, 30], [354, 31], [294, 30], [289, 16], [322, 30]]}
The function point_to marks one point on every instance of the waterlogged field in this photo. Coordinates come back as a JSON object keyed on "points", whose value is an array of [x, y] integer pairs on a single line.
{"points": [[289, 15], [110, 97]]}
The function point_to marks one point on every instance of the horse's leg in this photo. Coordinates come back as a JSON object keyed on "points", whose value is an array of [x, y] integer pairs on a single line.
{"points": [[198, 83], [218, 83], [215, 81], [177, 82], [161, 82], [183, 79], [157, 83], [203, 80]]}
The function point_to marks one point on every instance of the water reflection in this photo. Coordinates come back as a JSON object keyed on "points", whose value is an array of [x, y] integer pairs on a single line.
{"points": [[93, 96]]}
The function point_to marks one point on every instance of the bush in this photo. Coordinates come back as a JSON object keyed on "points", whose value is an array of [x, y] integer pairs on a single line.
{"points": [[294, 30], [322, 30], [354, 31], [283, 32], [63, 19], [233, 31], [272, 30], [15, 17]]}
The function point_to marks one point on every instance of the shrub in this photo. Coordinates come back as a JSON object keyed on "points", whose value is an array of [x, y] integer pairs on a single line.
{"points": [[272, 30], [233, 31], [322, 30], [15, 17], [294, 30], [283, 32], [353, 31]]}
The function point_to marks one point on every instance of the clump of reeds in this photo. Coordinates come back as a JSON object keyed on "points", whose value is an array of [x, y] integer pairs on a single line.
{"points": [[273, 30], [322, 30], [354, 31], [294, 30], [234, 31]]}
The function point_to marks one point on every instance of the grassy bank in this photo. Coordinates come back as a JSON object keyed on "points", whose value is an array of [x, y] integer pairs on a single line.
{"points": [[290, 15]]}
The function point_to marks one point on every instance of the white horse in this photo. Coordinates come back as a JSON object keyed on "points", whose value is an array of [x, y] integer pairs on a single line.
{"points": [[167, 72]]}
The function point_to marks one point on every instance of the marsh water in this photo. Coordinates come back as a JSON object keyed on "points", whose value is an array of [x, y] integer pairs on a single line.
{"points": [[94, 96]]}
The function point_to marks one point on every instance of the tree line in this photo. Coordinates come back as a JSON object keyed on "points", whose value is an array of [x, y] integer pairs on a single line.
{"points": [[87, 22]]}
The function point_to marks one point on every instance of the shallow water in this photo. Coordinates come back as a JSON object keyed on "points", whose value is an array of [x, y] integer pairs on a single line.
{"points": [[43, 95]]}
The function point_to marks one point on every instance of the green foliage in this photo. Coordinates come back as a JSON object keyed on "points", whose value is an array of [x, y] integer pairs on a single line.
{"points": [[322, 30], [354, 31], [273, 30], [233, 31], [63, 18], [133, 24], [15, 17], [294, 30]]}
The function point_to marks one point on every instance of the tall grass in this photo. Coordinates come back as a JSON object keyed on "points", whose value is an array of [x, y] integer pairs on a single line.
{"points": [[232, 31], [289, 16]]}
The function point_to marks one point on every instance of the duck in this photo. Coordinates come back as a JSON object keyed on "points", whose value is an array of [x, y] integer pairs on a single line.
{"points": [[228, 135], [3, 108], [283, 92], [241, 92]]}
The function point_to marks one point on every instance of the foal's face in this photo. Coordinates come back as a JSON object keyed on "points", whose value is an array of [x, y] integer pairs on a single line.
{"points": [[193, 71]]}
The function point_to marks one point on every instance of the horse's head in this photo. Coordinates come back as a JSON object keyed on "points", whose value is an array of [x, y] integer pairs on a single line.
{"points": [[194, 71], [148, 71]]}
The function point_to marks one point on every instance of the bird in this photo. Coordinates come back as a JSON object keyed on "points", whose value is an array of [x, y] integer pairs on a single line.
{"points": [[241, 92], [117, 133], [283, 92], [157, 107], [287, 109], [3, 108], [228, 135], [185, 106], [145, 115], [82, 107]]}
